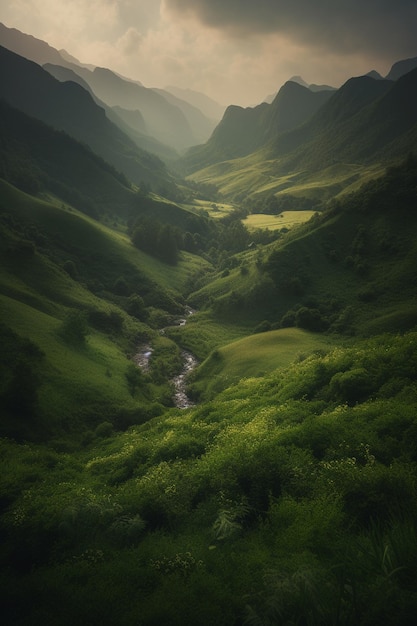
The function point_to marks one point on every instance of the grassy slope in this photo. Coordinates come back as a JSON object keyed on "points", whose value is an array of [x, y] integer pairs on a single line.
{"points": [[82, 385], [90, 238], [286, 219], [288, 495], [357, 257], [255, 356], [257, 175]]}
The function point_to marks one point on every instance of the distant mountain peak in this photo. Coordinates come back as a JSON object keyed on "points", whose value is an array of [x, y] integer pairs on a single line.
{"points": [[299, 80], [375, 75], [71, 59], [211, 108], [401, 67]]}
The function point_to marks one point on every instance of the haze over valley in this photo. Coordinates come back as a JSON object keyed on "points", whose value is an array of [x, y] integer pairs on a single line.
{"points": [[208, 313]]}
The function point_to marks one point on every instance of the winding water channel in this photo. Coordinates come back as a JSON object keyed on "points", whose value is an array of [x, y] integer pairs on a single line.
{"points": [[142, 360]]}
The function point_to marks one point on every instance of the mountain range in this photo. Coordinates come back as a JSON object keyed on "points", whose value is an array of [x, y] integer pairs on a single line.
{"points": [[170, 119], [207, 413], [67, 106], [242, 131], [355, 129], [345, 133]]}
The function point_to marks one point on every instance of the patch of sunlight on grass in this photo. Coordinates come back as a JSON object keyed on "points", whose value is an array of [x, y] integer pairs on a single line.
{"points": [[286, 219]]}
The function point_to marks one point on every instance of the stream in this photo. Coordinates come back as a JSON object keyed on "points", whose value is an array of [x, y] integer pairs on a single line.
{"points": [[142, 360]]}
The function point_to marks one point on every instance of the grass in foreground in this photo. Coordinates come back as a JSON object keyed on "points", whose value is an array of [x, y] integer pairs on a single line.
{"points": [[287, 499]]}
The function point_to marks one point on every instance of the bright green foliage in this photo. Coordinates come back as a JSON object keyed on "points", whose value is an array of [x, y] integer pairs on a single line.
{"points": [[285, 498]]}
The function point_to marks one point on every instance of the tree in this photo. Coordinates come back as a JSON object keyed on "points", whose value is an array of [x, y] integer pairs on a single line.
{"points": [[136, 307], [310, 319], [74, 328], [133, 377], [121, 287], [167, 249]]}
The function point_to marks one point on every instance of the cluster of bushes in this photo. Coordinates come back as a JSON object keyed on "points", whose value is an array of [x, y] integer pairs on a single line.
{"points": [[276, 204], [287, 499], [20, 381], [165, 241], [157, 239]]}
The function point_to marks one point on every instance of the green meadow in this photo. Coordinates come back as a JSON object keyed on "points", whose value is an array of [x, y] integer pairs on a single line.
{"points": [[286, 219], [284, 492], [255, 176], [254, 357], [213, 209]]}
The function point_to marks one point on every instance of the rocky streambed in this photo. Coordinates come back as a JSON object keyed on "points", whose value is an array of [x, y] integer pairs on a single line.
{"points": [[142, 360]]}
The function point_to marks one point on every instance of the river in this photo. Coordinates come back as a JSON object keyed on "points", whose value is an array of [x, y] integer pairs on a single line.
{"points": [[142, 360]]}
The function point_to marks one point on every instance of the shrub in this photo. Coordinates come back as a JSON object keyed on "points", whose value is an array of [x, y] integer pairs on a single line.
{"points": [[74, 328], [310, 319], [105, 429], [263, 327], [136, 307], [121, 287], [71, 269], [351, 386], [133, 377]]}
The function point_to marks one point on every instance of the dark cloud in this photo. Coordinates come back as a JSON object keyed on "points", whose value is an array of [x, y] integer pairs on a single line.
{"points": [[383, 27]]}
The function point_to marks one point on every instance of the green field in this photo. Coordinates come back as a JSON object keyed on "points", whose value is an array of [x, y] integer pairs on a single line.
{"points": [[255, 177], [286, 219], [216, 210], [256, 356]]}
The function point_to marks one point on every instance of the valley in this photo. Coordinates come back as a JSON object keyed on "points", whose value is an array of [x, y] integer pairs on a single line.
{"points": [[208, 374]]}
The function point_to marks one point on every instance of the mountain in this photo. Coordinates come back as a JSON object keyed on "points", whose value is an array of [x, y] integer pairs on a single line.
{"points": [[36, 158], [401, 67], [69, 107], [237, 134], [365, 125], [300, 81], [211, 109], [167, 121], [366, 120], [28, 46], [201, 126], [130, 122], [375, 75], [70, 59], [244, 130], [293, 105]]}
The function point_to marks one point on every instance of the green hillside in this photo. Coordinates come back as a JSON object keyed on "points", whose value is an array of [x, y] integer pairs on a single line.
{"points": [[363, 126], [288, 495], [84, 298], [242, 131], [254, 357], [206, 419], [35, 158], [68, 107], [350, 267]]}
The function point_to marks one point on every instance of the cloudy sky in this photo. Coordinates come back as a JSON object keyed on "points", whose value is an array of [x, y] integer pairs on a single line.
{"points": [[236, 51]]}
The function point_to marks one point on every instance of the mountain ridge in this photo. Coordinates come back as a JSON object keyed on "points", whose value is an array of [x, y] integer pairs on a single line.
{"points": [[244, 130], [130, 122], [68, 106], [167, 122]]}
